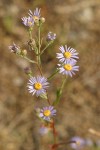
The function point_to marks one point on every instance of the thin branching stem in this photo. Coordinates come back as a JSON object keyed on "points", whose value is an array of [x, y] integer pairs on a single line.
{"points": [[30, 34], [40, 70], [49, 78], [45, 48], [31, 61], [39, 42]]}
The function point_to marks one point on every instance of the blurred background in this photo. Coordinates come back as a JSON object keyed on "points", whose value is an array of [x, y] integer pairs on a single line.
{"points": [[77, 24]]}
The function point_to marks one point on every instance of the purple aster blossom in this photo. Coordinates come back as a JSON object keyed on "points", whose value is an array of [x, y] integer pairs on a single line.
{"points": [[51, 36], [37, 85], [68, 68], [47, 112], [43, 130], [28, 21], [67, 54], [80, 143], [14, 48], [36, 14]]}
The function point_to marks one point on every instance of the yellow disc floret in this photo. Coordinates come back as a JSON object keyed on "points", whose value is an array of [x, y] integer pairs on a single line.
{"points": [[78, 143], [30, 23], [36, 18], [47, 113], [67, 54], [37, 86], [68, 67]]}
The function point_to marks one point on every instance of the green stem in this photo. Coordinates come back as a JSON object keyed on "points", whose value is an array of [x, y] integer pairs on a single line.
{"points": [[30, 34], [49, 78], [48, 98], [31, 61], [45, 48], [39, 69], [39, 40], [59, 92]]}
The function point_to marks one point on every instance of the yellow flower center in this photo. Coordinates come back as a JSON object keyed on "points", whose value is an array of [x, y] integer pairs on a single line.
{"points": [[47, 113], [67, 54], [68, 67], [30, 23], [37, 86], [35, 18], [78, 143]]}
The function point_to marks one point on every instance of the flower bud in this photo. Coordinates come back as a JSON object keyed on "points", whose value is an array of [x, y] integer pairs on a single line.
{"points": [[32, 44], [24, 52], [28, 71], [15, 49], [42, 19]]}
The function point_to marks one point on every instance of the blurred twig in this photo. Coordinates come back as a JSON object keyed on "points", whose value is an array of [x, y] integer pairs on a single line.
{"points": [[92, 131]]}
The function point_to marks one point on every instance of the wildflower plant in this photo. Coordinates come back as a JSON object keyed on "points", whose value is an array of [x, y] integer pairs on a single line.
{"points": [[38, 85]]}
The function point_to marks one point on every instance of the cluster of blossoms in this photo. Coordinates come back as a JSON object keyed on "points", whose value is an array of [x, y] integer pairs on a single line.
{"points": [[67, 58], [32, 18], [38, 85]]}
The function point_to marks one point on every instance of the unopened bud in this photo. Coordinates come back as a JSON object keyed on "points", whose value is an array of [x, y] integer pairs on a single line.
{"points": [[42, 19], [15, 49], [28, 71], [24, 52], [32, 44]]}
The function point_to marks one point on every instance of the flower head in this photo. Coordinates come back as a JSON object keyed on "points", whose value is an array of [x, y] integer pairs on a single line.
{"points": [[14, 48], [68, 68], [79, 143], [51, 36], [35, 15], [47, 112], [67, 54], [37, 85], [28, 21], [43, 130]]}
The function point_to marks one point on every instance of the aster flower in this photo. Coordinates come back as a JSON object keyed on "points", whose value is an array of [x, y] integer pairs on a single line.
{"points": [[14, 48], [35, 15], [51, 36], [68, 68], [28, 21], [37, 85], [80, 143], [43, 130], [47, 112], [67, 54]]}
